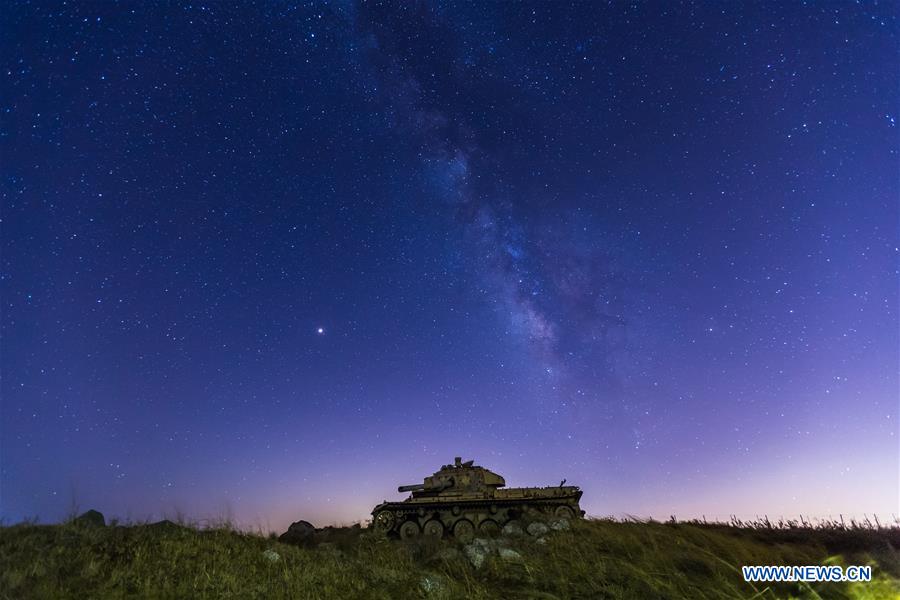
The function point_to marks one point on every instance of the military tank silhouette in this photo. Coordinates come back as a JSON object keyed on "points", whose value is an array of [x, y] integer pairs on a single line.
{"points": [[463, 499]]}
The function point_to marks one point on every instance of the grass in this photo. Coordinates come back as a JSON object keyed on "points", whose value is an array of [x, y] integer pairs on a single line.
{"points": [[595, 559]]}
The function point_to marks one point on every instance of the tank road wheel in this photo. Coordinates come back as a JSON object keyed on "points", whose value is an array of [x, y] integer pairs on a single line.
{"points": [[464, 531], [409, 530], [564, 512], [384, 521], [433, 529], [489, 528]]}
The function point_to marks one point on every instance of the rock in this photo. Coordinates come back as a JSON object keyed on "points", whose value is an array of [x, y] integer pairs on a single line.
{"points": [[560, 525], [514, 567], [166, 526], [510, 555], [91, 518], [486, 544], [433, 586], [300, 533], [537, 529], [541, 540], [271, 556], [476, 553], [512, 530]]}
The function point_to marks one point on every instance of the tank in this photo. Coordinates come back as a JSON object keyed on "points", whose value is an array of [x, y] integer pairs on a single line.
{"points": [[463, 500]]}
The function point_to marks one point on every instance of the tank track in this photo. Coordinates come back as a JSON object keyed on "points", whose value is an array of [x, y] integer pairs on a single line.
{"points": [[485, 516]]}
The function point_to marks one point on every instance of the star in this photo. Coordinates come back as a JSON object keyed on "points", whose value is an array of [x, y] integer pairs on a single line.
{"points": [[320, 331]]}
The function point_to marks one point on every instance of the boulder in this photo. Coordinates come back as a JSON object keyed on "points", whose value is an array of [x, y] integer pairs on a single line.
{"points": [[484, 543], [271, 556], [512, 529], [537, 529], [167, 526], [510, 555], [477, 553], [560, 525], [91, 518], [433, 586], [300, 533]]}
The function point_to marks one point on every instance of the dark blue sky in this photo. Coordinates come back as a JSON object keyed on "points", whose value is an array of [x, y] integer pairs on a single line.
{"points": [[651, 249]]}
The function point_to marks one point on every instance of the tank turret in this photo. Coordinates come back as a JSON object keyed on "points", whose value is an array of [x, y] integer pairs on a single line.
{"points": [[463, 498]]}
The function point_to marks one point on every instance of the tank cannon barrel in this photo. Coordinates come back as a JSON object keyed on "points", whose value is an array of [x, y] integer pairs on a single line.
{"points": [[416, 487], [428, 486]]}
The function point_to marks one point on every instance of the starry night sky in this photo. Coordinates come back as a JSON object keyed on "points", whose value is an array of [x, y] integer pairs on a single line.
{"points": [[268, 262]]}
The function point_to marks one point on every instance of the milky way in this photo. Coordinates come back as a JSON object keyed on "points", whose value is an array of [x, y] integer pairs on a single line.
{"points": [[269, 262]]}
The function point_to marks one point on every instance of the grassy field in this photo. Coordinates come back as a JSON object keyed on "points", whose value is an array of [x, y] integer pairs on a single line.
{"points": [[593, 559]]}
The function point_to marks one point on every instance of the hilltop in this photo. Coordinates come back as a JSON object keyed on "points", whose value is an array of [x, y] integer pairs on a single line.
{"points": [[588, 559]]}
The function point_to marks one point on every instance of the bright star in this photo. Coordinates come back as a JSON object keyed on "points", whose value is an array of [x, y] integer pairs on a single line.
{"points": [[320, 331]]}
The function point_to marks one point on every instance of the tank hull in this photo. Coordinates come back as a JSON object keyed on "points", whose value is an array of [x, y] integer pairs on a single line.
{"points": [[465, 516]]}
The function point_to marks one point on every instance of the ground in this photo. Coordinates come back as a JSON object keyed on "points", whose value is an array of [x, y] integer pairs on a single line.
{"points": [[591, 559]]}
